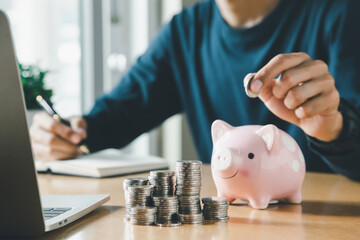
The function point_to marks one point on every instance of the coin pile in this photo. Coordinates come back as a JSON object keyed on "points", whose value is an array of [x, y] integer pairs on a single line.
{"points": [[138, 196], [157, 204], [142, 215], [188, 184], [215, 208], [167, 210], [132, 182], [163, 182]]}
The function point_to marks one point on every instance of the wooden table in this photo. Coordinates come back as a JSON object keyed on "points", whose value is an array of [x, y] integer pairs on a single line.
{"points": [[330, 210]]}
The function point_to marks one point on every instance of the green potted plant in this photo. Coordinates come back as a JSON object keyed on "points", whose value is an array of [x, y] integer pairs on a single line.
{"points": [[32, 79]]}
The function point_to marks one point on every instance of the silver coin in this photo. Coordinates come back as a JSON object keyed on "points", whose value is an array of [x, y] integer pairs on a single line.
{"points": [[218, 218], [167, 207], [248, 90], [169, 224], [187, 176], [143, 209], [141, 223], [188, 162], [142, 215], [215, 208], [191, 218], [213, 221], [165, 203], [187, 193], [164, 173], [209, 200], [163, 182], [140, 189], [136, 180], [190, 201]]}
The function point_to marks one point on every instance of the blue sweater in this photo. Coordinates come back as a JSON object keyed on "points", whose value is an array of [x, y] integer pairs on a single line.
{"points": [[197, 63]]}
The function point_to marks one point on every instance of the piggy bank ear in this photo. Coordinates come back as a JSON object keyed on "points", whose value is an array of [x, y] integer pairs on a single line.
{"points": [[219, 128], [267, 134]]}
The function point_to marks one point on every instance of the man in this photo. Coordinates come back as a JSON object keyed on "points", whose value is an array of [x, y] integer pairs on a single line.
{"points": [[197, 63]]}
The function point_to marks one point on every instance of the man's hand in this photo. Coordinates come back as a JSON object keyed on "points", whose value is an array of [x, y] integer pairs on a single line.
{"points": [[52, 140], [304, 94]]}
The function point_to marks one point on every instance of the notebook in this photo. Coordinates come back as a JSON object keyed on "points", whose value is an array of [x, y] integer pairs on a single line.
{"points": [[105, 163], [21, 206]]}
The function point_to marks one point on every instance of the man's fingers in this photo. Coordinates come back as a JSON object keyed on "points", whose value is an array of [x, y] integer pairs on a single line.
{"points": [[79, 125], [53, 141], [46, 122], [324, 104], [266, 75], [46, 153], [303, 92], [297, 75]]}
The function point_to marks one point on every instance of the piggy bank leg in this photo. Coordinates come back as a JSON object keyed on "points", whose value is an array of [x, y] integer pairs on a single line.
{"points": [[295, 198], [229, 199], [261, 203]]}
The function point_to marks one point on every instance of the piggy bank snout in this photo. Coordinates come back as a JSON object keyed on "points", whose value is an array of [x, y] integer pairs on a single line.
{"points": [[223, 161]]}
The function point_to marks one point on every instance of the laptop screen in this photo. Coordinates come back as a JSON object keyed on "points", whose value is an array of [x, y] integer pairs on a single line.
{"points": [[20, 206]]}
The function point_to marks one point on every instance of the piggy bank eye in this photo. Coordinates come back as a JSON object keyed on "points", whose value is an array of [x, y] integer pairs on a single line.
{"points": [[251, 155]]}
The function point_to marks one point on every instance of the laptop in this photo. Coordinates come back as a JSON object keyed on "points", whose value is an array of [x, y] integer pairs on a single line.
{"points": [[23, 212]]}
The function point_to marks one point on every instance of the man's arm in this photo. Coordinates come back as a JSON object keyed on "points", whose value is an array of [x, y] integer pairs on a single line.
{"points": [[340, 153], [144, 98]]}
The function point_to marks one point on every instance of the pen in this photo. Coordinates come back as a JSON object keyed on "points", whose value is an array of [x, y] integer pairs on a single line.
{"points": [[44, 104]]}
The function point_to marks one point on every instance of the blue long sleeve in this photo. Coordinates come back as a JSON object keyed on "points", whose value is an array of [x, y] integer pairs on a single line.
{"points": [[343, 153]]}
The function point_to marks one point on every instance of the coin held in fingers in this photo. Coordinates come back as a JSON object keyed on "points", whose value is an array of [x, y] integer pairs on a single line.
{"points": [[247, 84]]}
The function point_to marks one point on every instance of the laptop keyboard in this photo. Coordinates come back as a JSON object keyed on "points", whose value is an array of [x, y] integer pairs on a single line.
{"points": [[54, 212]]}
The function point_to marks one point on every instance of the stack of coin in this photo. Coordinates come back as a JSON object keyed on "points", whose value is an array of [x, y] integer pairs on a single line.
{"points": [[215, 208], [188, 184], [191, 218], [138, 195], [163, 182], [142, 215], [132, 182], [188, 177], [189, 204], [167, 210]]}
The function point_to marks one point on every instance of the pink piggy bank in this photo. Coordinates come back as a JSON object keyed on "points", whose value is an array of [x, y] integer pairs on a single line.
{"points": [[256, 163]]}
